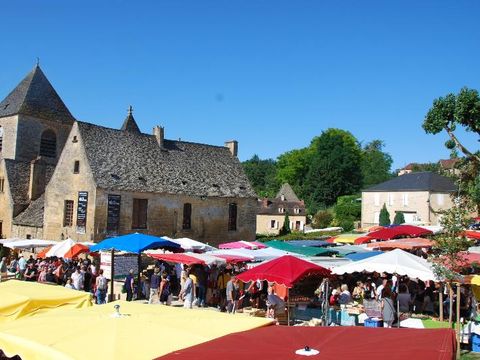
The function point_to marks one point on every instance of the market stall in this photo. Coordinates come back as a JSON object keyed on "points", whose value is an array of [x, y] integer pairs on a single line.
{"points": [[251, 245]]}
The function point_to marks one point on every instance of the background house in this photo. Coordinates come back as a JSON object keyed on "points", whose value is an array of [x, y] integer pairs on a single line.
{"points": [[271, 212], [419, 196]]}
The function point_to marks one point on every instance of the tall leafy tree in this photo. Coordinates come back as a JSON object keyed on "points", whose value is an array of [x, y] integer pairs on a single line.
{"points": [[399, 218], [262, 175], [449, 113], [334, 168], [375, 164], [292, 168]]}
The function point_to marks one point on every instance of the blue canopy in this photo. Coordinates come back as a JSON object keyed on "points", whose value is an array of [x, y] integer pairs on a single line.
{"points": [[313, 243], [133, 243], [363, 255]]}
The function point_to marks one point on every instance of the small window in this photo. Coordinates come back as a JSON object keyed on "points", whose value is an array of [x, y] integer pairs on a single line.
{"points": [[390, 199], [29, 236], [232, 217], [74, 140], [440, 199], [281, 210], [48, 144], [2, 184], [1, 139], [187, 216], [76, 167], [376, 198], [139, 213], [296, 210], [68, 213], [273, 224], [405, 199]]}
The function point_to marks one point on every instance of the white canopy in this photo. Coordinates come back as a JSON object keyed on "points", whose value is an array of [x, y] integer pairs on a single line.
{"points": [[60, 248], [393, 262], [28, 243], [190, 244]]}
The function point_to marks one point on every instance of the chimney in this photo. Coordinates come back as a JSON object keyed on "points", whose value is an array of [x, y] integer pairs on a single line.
{"points": [[37, 182], [159, 133], [232, 145]]}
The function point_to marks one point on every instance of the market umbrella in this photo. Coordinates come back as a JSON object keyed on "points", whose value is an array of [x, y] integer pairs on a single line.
{"points": [[188, 244], [303, 250], [28, 243], [188, 258], [76, 250], [362, 255], [341, 342], [133, 243], [137, 331], [399, 231], [252, 245], [405, 244], [393, 262], [345, 238], [286, 270], [25, 298], [313, 243], [42, 254]]}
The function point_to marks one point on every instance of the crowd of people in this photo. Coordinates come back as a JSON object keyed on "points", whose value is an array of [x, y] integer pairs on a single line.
{"points": [[77, 274], [398, 296]]}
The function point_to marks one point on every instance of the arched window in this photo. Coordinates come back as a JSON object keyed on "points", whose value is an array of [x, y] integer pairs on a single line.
{"points": [[1, 139], [48, 144]]}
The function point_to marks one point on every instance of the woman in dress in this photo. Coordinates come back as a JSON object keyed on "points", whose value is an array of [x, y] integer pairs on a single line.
{"points": [[388, 309]]}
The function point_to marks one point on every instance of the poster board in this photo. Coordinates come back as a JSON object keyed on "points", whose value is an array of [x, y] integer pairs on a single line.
{"points": [[123, 263], [113, 213], [82, 212], [373, 308]]}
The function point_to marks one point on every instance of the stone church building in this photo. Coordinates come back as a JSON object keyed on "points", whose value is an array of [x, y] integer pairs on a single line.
{"points": [[61, 178]]}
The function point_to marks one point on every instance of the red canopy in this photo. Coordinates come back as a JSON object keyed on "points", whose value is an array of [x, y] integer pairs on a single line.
{"points": [[234, 259], [345, 342], [363, 240], [399, 231], [178, 258], [285, 270], [405, 244], [472, 234], [43, 253]]}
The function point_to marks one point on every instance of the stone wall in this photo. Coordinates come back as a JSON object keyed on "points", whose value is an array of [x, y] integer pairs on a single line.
{"points": [[22, 232], [6, 206], [29, 132], [9, 127]]}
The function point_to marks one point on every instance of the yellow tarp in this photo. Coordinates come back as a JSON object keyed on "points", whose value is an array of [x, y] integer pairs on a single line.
{"points": [[142, 332], [22, 298], [347, 238], [476, 286]]}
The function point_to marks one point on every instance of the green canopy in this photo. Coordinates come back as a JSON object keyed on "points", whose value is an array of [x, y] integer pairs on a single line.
{"points": [[302, 250]]}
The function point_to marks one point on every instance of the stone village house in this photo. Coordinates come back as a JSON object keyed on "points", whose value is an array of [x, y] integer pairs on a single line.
{"points": [[418, 195], [60, 177], [271, 212]]}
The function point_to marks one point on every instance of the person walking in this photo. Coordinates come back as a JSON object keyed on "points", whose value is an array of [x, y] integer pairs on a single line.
{"points": [[128, 285], [388, 309], [187, 294], [101, 286], [154, 285]]}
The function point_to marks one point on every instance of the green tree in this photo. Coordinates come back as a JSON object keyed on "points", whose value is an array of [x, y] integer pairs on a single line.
{"points": [[399, 218], [286, 226], [347, 210], [384, 219], [322, 219], [262, 176], [376, 164], [334, 169], [292, 168], [450, 113]]}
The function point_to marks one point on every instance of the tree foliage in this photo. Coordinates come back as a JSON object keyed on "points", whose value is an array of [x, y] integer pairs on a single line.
{"points": [[375, 164], [292, 168], [399, 218], [334, 169], [322, 219], [262, 175], [347, 210], [286, 226], [384, 219]]}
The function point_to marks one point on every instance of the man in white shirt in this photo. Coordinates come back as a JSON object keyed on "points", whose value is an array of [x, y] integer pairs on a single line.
{"points": [[22, 266], [380, 289], [77, 279]]}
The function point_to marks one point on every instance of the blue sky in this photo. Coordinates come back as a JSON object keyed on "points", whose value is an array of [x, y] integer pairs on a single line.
{"points": [[270, 74]]}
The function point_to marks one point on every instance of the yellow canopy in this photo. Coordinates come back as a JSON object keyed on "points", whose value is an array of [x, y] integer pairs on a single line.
{"points": [[142, 331], [475, 282], [22, 298], [347, 238]]}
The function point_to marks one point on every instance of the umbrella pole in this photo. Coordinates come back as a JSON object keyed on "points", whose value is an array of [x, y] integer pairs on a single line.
{"points": [[288, 307], [440, 300], [458, 321], [112, 268], [139, 290]]}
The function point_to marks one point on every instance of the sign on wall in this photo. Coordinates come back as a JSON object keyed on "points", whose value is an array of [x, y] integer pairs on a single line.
{"points": [[123, 264], [82, 212], [113, 214]]}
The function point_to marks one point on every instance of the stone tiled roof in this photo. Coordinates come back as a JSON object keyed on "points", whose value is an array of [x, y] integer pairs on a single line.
{"points": [[122, 160], [417, 181], [35, 96], [18, 174], [32, 215], [448, 163], [287, 191], [270, 207]]}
